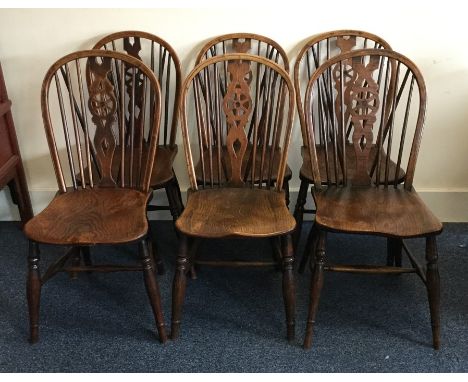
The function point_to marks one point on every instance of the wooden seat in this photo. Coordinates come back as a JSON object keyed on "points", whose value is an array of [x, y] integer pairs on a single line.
{"points": [[261, 46], [306, 169], [314, 53], [386, 113], [91, 216], [394, 212], [110, 206], [158, 55], [230, 197], [235, 212]]}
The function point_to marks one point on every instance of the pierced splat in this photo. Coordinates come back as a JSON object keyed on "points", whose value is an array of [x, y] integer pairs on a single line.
{"points": [[132, 49], [364, 104], [237, 105], [243, 46], [103, 106], [346, 43]]}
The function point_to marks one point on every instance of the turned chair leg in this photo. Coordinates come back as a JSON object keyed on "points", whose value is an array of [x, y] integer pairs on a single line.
{"points": [[286, 191], [276, 252], [289, 287], [33, 291], [316, 287], [152, 288], [309, 250], [175, 198], [299, 212], [158, 263], [179, 284], [394, 252], [192, 272], [433, 288], [75, 261]]}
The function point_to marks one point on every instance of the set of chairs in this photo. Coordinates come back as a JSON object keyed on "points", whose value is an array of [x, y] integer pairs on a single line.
{"points": [[111, 116]]}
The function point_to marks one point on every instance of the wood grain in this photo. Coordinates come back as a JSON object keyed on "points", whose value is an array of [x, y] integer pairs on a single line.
{"points": [[386, 211], [235, 212], [91, 216]]}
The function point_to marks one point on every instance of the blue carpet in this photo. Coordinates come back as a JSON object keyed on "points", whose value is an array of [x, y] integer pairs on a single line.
{"points": [[233, 319]]}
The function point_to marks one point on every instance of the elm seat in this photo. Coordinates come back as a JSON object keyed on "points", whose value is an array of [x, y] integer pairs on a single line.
{"points": [[228, 212], [91, 216], [388, 211]]}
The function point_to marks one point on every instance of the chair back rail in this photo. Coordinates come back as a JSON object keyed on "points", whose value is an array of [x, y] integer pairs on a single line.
{"points": [[101, 131], [381, 96], [321, 48], [250, 43], [159, 55], [243, 106]]}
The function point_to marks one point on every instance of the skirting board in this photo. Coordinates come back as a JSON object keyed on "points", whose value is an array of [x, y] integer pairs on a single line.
{"points": [[447, 205]]}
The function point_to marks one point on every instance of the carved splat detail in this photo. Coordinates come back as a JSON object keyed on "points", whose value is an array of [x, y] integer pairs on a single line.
{"points": [[345, 44], [102, 105], [237, 105], [363, 94], [132, 49], [241, 46]]}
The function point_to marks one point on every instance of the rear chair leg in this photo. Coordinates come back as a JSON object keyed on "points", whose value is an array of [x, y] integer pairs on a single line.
{"points": [[433, 288], [154, 253], [309, 250], [289, 287], [299, 212], [394, 251], [33, 291], [152, 288], [316, 287]]}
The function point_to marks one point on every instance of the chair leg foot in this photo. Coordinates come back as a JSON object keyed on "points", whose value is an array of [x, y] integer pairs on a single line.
{"points": [[179, 285], [152, 288], [33, 291], [433, 289], [289, 287], [316, 287]]}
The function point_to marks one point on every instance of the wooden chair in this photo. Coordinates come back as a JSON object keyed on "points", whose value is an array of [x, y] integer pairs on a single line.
{"points": [[228, 201], [369, 198], [313, 54], [85, 106], [163, 61], [253, 44], [11, 166]]}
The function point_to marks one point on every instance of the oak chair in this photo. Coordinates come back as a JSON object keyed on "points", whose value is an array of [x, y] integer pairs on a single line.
{"points": [[368, 198], [250, 43], [314, 53], [85, 108], [229, 201], [157, 54]]}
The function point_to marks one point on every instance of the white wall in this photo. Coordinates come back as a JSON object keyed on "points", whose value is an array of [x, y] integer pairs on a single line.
{"points": [[431, 34]]}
